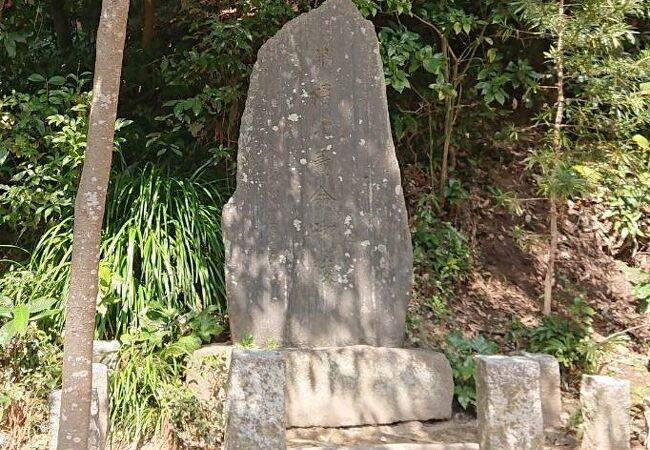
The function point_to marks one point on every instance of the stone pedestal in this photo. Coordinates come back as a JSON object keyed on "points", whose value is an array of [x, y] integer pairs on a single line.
{"points": [[100, 385], [362, 385], [605, 412], [551, 394], [255, 401], [508, 403]]}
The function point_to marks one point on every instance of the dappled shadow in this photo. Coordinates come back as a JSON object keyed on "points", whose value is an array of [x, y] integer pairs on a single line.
{"points": [[350, 386], [318, 246]]}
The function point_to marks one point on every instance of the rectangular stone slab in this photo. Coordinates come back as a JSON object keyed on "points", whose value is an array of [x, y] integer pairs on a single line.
{"points": [[254, 409], [362, 385], [550, 393], [508, 403], [606, 407], [206, 369], [95, 439], [317, 243]]}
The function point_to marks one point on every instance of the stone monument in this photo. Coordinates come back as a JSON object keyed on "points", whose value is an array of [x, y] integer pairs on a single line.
{"points": [[318, 249]]}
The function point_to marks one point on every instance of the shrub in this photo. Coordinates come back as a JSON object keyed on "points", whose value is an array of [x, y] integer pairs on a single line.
{"points": [[42, 141], [441, 256], [460, 352], [162, 243], [148, 382], [30, 368], [568, 338]]}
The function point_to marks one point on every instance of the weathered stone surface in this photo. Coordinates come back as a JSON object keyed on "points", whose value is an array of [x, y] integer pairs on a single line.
{"points": [[95, 438], [106, 352], [318, 250], [432, 446], [359, 385], [508, 403], [207, 367], [255, 401], [605, 412], [551, 394]]}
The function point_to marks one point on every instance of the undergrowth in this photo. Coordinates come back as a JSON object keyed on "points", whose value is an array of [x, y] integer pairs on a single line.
{"points": [[148, 383], [162, 241]]}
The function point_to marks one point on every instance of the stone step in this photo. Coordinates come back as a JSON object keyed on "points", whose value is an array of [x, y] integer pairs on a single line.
{"points": [[418, 446], [459, 433]]}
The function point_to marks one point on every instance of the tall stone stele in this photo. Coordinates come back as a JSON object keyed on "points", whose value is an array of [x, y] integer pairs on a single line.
{"points": [[318, 250]]}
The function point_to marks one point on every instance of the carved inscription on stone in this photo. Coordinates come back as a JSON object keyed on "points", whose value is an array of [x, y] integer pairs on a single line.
{"points": [[318, 249]]}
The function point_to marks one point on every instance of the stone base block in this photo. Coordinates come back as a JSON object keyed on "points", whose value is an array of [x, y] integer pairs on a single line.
{"points": [[508, 403], [100, 384], [605, 412], [363, 385], [551, 394], [255, 401], [207, 369]]}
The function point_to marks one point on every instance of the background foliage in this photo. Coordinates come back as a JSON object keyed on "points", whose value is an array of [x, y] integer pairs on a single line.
{"points": [[467, 81]]}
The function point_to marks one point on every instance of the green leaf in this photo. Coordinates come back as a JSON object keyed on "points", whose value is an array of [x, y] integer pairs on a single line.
{"points": [[432, 65], [21, 318], [36, 78], [7, 332], [500, 97], [40, 304], [10, 46], [183, 346], [641, 141], [57, 80], [196, 106]]}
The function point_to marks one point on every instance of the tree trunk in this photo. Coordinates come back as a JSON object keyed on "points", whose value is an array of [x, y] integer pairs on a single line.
{"points": [[550, 268], [148, 22], [557, 149], [447, 129], [88, 216], [444, 168], [61, 25]]}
